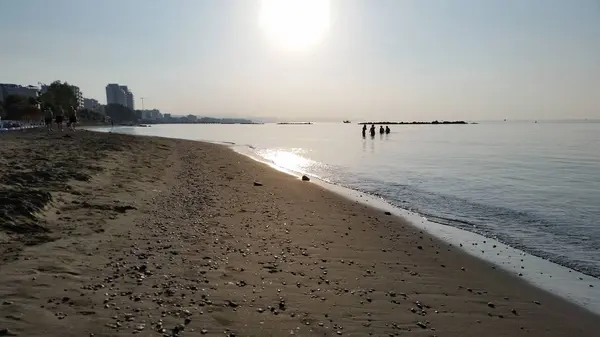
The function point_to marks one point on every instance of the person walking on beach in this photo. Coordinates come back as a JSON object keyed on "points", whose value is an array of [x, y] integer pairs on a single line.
{"points": [[72, 119], [60, 117], [48, 117]]}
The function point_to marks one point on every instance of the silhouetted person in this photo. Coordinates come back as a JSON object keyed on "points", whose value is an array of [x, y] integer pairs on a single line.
{"points": [[48, 117], [59, 118], [364, 130], [372, 130], [72, 119], [381, 130], [387, 130]]}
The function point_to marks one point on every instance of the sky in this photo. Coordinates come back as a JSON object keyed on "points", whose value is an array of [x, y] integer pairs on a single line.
{"points": [[378, 60]]}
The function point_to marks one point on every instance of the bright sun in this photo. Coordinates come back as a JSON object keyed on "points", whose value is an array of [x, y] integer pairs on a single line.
{"points": [[295, 24]]}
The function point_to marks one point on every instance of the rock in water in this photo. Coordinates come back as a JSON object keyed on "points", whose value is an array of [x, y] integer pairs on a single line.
{"points": [[305, 178]]}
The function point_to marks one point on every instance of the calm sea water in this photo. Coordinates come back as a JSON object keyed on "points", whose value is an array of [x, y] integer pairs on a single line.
{"points": [[535, 187]]}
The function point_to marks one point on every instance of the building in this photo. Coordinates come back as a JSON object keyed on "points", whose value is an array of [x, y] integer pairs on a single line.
{"points": [[78, 96], [15, 89], [115, 95], [128, 97], [153, 114], [92, 104], [119, 94], [130, 101]]}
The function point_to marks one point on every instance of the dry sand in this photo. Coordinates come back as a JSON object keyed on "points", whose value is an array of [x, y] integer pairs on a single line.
{"points": [[113, 235]]}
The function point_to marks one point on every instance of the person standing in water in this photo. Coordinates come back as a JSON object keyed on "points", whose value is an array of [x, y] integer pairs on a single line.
{"points": [[372, 130], [364, 130], [381, 130], [387, 130]]}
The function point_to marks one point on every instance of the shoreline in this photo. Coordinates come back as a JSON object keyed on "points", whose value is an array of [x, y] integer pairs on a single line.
{"points": [[569, 284], [168, 236]]}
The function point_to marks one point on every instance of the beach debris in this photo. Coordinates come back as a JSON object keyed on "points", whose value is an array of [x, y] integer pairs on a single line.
{"points": [[514, 311], [537, 302], [305, 178], [256, 183], [491, 305], [388, 213], [7, 332], [422, 325]]}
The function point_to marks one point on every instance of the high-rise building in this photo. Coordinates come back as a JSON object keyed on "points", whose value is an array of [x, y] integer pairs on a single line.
{"points": [[130, 102], [128, 97], [78, 96], [119, 94], [115, 95]]}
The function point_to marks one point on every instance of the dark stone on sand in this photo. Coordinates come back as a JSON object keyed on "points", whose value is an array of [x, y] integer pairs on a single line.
{"points": [[6, 332], [388, 213], [256, 183], [305, 178], [491, 305], [422, 325]]}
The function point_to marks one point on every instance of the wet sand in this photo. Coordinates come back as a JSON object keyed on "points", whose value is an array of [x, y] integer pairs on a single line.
{"points": [[115, 235]]}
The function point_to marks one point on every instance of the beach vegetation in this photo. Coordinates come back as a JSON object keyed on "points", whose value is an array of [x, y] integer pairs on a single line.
{"points": [[18, 107], [59, 95]]}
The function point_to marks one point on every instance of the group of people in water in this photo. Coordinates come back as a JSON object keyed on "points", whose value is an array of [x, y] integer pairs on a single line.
{"points": [[58, 117], [372, 130]]}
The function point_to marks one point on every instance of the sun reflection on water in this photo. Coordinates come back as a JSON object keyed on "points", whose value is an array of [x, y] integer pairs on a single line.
{"points": [[289, 159]]}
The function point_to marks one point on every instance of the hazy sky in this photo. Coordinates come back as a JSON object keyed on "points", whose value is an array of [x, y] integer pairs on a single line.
{"points": [[380, 59]]}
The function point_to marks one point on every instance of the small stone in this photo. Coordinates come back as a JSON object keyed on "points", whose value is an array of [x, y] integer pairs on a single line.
{"points": [[256, 183], [422, 325], [537, 302], [491, 305], [204, 331], [388, 213], [305, 178]]}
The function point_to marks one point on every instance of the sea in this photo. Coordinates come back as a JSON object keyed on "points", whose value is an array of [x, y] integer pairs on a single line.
{"points": [[532, 187]]}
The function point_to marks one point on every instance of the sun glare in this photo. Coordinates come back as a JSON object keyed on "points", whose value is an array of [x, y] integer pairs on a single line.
{"points": [[295, 24]]}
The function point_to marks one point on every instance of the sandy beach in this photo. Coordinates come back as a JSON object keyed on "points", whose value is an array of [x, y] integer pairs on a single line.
{"points": [[113, 235]]}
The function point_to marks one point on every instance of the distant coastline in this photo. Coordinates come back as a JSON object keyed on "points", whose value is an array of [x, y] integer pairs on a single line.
{"points": [[415, 123]]}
